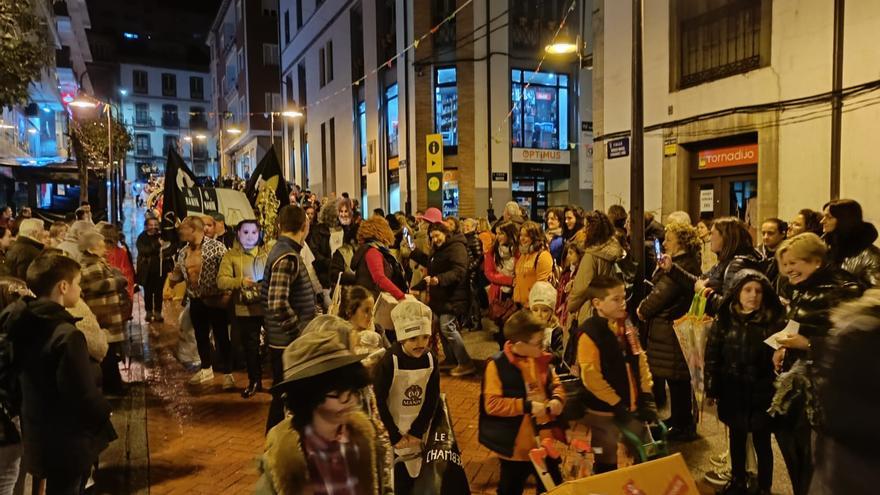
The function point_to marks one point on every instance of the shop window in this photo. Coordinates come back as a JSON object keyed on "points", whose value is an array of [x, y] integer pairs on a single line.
{"points": [[446, 107], [540, 110], [391, 118]]}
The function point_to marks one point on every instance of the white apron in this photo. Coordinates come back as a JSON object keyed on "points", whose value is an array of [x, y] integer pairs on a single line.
{"points": [[405, 400]]}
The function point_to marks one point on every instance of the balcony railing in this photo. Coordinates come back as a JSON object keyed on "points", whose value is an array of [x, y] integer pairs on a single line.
{"points": [[143, 151], [170, 122], [144, 122], [198, 122]]}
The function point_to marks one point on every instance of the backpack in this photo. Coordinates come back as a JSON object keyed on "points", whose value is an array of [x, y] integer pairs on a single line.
{"points": [[625, 269]]}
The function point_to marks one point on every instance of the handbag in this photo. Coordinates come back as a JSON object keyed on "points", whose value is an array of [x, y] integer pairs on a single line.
{"points": [[249, 295], [575, 406], [501, 309]]}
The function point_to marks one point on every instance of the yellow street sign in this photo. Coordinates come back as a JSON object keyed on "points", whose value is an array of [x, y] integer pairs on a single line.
{"points": [[434, 149]]}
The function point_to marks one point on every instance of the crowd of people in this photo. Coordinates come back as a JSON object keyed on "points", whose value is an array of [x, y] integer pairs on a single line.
{"points": [[359, 316]]}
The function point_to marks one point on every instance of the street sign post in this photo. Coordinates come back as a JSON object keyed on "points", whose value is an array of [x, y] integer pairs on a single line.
{"points": [[434, 151]]}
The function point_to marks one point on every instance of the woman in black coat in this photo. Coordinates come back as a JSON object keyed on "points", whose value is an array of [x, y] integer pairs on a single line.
{"points": [[668, 301], [851, 241], [817, 288], [739, 372]]}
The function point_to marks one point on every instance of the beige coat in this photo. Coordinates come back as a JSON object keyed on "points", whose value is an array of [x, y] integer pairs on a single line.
{"points": [[96, 337], [597, 261]]}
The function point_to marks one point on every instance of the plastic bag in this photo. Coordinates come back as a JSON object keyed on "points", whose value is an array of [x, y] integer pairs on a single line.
{"points": [[187, 351]]}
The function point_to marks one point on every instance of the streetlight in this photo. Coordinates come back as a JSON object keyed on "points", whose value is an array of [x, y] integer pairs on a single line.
{"points": [[233, 130], [90, 102], [83, 103], [563, 46]]}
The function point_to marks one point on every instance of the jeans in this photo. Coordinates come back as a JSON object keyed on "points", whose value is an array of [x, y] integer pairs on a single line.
{"points": [[276, 409], [763, 450], [249, 330], [10, 461], [453, 345], [515, 473], [153, 296], [204, 320]]}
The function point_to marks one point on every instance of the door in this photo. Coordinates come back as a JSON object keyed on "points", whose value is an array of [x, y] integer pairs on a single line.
{"points": [[723, 196]]}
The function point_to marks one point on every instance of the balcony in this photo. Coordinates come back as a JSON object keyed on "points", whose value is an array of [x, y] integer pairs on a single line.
{"points": [[200, 152], [170, 122], [198, 121], [143, 152], [144, 123]]}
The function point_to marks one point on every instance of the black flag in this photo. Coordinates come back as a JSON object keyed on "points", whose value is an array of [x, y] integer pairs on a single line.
{"points": [[177, 177], [266, 169]]}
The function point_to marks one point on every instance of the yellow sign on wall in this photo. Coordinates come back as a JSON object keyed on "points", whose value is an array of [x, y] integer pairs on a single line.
{"points": [[434, 149]]}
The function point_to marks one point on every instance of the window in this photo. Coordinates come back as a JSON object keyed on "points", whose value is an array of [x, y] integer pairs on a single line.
{"points": [[301, 83], [169, 116], [391, 117], [270, 54], [540, 111], [286, 27], [269, 8], [197, 118], [446, 105], [140, 81], [169, 85], [322, 70], [273, 102], [196, 88], [362, 131], [288, 89], [329, 52], [169, 141], [142, 114], [142, 144], [299, 14], [718, 39]]}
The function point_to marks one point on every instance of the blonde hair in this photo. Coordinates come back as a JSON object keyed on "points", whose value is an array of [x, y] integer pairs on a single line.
{"points": [[806, 246], [686, 235], [483, 225]]}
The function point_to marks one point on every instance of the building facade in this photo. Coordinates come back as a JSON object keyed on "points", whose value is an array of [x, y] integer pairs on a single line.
{"points": [[243, 41], [371, 97], [36, 132], [737, 106], [165, 107]]}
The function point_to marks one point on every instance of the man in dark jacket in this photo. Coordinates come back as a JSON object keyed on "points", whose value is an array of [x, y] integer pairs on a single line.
{"points": [[154, 261], [479, 297], [288, 296], [25, 248], [64, 417], [447, 286]]}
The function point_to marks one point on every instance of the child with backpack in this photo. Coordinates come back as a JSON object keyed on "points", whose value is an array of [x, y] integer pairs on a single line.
{"points": [[614, 370], [740, 376], [407, 387], [520, 400]]}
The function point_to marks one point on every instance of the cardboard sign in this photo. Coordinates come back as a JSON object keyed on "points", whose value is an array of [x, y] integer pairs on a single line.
{"points": [[707, 200], [666, 476]]}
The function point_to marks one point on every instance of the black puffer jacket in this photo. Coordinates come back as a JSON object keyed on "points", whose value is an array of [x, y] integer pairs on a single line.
{"points": [[667, 302], [475, 256], [857, 254], [319, 242], [720, 278], [739, 365], [812, 301], [449, 264]]}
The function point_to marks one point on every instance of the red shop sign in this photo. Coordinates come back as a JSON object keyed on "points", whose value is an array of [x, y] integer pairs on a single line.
{"points": [[729, 157]]}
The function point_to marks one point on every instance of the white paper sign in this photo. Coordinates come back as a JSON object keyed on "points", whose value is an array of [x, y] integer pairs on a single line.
{"points": [[707, 200], [793, 328]]}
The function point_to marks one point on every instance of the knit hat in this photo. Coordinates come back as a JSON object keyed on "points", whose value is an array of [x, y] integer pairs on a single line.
{"points": [[544, 294], [411, 318], [314, 353]]}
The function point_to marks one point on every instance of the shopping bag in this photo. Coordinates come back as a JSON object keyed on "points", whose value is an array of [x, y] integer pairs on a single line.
{"points": [[187, 350], [442, 470], [692, 331]]}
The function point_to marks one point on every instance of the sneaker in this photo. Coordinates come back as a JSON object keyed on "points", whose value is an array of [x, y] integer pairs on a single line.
{"points": [[718, 477], [461, 370], [720, 459], [202, 376], [228, 382]]}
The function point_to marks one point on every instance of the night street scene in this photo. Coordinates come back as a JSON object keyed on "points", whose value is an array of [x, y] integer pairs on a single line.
{"points": [[452, 247]]}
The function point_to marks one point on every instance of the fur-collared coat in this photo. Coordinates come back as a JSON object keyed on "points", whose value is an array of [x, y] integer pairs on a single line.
{"points": [[284, 466]]}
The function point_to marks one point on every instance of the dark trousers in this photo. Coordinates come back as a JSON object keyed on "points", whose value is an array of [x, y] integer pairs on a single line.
{"points": [[403, 484], [206, 320], [153, 296], [793, 435], [66, 484], [248, 328], [111, 378], [763, 451], [681, 402], [276, 409], [515, 473]]}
